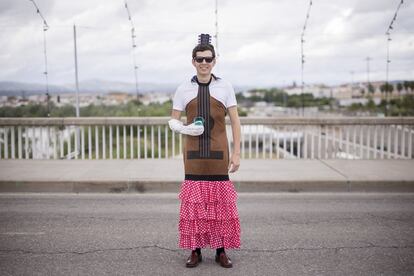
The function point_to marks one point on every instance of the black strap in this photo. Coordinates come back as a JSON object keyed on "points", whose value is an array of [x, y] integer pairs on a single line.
{"points": [[216, 177]]}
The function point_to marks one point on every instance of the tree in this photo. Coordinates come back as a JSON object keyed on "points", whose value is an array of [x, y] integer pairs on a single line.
{"points": [[387, 88], [406, 85], [371, 89], [371, 105], [399, 88], [390, 87]]}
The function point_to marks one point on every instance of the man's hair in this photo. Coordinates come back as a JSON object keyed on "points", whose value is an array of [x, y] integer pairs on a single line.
{"points": [[205, 47]]}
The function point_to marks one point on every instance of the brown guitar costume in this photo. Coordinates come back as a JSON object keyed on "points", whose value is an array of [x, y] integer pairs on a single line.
{"points": [[208, 211], [207, 156]]}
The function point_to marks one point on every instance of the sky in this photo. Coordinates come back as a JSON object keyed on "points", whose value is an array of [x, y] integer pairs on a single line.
{"points": [[258, 41]]}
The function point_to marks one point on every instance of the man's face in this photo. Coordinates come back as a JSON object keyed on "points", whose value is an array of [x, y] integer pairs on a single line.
{"points": [[202, 66]]}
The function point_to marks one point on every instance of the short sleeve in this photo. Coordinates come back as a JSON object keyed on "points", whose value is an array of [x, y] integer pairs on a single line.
{"points": [[178, 99], [231, 96]]}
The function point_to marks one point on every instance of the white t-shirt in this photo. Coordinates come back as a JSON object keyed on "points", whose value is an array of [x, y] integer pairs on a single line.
{"points": [[220, 90]]}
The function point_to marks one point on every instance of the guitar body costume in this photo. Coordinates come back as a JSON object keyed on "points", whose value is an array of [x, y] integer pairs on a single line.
{"points": [[208, 211]]}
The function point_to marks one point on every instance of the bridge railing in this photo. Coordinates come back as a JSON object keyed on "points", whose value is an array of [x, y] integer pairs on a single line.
{"points": [[262, 138]]}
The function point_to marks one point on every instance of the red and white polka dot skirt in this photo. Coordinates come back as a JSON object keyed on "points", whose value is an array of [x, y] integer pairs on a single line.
{"points": [[208, 215]]}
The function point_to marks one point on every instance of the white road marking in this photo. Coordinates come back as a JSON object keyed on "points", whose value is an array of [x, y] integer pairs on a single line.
{"points": [[22, 233]]}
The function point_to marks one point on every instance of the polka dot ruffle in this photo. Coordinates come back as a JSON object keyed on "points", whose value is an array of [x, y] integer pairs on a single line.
{"points": [[208, 215]]}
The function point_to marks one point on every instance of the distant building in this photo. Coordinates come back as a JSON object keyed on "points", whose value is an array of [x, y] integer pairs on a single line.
{"points": [[155, 98], [318, 91], [118, 98], [363, 101]]}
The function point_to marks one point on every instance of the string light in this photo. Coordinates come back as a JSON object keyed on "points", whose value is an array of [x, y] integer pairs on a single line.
{"points": [[388, 34], [388, 61], [302, 40], [216, 24], [134, 46], [45, 28]]}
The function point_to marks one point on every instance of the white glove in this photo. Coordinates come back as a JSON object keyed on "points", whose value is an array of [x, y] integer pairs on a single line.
{"points": [[191, 129]]}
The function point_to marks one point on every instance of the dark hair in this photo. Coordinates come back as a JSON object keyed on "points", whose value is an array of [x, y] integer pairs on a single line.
{"points": [[205, 47]]}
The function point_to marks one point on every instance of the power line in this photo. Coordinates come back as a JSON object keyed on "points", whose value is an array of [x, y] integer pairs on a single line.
{"points": [[45, 25], [134, 46], [45, 28], [302, 40]]}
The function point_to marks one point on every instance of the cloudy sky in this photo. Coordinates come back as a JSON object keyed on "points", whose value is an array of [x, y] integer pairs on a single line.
{"points": [[259, 41]]}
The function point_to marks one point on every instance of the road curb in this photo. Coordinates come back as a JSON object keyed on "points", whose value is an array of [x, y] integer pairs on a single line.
{"points": [[136, 186]]}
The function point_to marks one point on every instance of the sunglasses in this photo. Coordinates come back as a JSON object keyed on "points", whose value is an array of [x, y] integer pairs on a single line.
{"points": [[207, 59]]}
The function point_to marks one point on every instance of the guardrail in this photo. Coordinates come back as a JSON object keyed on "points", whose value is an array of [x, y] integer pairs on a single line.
{"points": [[150, 137]]}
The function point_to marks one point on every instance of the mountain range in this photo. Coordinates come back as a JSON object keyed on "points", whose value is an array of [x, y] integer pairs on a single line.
{"points": [[11, 88]]}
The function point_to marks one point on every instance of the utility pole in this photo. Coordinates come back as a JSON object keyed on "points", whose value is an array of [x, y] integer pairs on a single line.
{"points": [[368, 60], [387, 86], [77, 90], [352, 83], [48, 104], [76, 71]]}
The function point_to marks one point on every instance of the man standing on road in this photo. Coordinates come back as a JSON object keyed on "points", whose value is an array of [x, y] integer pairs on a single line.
{"points": [[208, 211]]}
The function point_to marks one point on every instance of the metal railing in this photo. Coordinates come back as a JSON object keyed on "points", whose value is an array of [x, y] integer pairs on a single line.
{"points": [[150, 137]]}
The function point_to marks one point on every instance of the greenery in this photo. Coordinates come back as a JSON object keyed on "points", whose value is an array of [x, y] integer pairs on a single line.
{"points": [[133, 108], [120, 147], [280, 98], [403, 106]]}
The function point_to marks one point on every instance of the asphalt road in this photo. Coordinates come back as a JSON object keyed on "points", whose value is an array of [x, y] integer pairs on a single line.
{"points": [[136, 234]]}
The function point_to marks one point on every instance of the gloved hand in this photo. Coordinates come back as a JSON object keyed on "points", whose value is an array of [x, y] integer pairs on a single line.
{"points": [[191, 129]]}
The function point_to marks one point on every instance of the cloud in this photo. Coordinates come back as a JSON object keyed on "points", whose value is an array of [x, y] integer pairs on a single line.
{"points": [[259, 41]]}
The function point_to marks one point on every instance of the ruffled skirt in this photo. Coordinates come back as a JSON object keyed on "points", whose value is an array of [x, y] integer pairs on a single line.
{"points": [[208, 215]]}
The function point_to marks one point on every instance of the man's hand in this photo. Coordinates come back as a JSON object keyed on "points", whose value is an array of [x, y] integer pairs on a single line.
{"points": [[234, 162]]}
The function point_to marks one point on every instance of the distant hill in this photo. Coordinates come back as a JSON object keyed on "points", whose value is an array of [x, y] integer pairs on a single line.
{"points": [[9, 88]]}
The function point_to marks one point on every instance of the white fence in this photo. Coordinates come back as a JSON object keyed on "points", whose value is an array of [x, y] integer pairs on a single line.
{"points": [[150, 137]]}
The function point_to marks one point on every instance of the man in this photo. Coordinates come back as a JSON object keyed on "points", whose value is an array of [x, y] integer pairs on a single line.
{"points": [[208, 211]]}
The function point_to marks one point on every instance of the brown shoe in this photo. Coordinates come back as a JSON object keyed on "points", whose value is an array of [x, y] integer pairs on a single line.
{"points": [[224, 260], [193, 260]]}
